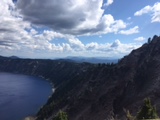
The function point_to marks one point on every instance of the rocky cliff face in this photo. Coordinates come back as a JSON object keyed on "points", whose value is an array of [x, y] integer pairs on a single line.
{"points": [[97, 92], [142, 78]]}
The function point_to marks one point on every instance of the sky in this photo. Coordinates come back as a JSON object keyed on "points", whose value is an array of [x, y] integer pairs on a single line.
{"points": [[89, 28]]}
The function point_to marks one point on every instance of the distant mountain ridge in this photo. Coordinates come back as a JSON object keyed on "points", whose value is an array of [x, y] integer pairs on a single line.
{"points": [[96, 91], [94, 60]]}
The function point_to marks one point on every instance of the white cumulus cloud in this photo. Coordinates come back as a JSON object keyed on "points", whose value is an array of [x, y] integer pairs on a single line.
{"points": [[130, 31], [139, 39], [75, 17], [115, 49], [109, 2], [144, 10], [154, 11]]}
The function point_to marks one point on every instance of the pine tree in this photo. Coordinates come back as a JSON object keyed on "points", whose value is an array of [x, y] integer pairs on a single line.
{"points": [[147, 111]]}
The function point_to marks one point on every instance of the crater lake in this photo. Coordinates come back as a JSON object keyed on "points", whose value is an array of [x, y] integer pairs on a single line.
{"points": [[22, 95]]}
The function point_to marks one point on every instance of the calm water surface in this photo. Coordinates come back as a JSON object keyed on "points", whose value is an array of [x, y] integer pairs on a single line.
{"points": [[21, 95]]}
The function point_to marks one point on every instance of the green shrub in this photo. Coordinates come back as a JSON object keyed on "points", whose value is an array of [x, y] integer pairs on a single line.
{"points": [[61, 116]]}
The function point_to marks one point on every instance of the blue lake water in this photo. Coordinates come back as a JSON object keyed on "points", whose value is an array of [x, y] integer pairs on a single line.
{"points": [[21, 95]]}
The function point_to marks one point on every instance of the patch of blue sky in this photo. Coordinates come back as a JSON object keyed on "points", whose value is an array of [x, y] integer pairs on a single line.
{"points": [[58, 41]]}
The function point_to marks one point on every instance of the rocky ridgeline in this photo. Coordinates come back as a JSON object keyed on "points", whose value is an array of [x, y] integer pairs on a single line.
{"points": [[96, 92]]}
